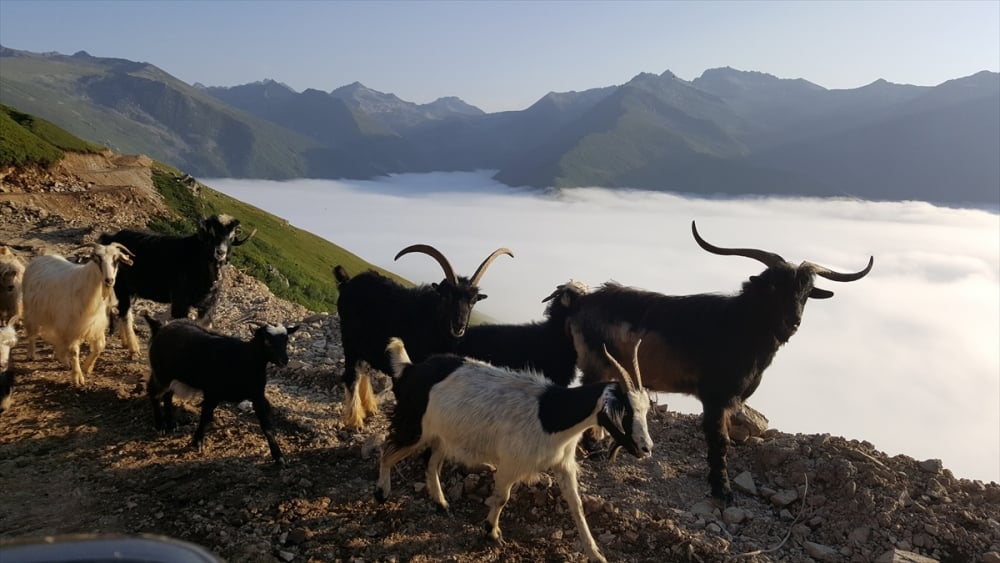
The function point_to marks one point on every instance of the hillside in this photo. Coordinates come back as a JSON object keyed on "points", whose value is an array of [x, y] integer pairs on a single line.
{"points": [[87, 460], [728, 131]]}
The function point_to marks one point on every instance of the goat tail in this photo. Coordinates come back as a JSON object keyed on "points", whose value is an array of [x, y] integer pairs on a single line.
{"points": [[154, 325], [398, 358], [341, 274]]}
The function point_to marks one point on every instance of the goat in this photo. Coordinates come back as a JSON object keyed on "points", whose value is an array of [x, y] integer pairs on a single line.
{"points": [[374, 308], [11, 274], [523, 424], [183, 271], [184, 356], [67, 303], [715, 347], [8, 338], [545, 346]]}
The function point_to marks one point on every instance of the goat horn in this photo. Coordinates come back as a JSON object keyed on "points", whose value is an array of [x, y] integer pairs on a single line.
{"points": [[239, 242], [13, 320], [626, 378], [449, 272], [769, 259], [121, 247], [839, 276], [486, 264], [635, 364]]}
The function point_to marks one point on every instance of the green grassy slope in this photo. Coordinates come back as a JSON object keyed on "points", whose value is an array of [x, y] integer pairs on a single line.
{"points": [[26, 139], [295, 264]]}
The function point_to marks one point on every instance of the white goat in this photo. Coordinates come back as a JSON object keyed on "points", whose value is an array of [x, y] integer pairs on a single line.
{"points": [[517, 421], [11, 272], [67, 304], [8, 338]]}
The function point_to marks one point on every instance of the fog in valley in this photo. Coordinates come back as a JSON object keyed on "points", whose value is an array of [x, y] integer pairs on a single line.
{"points": [[906, 358]]}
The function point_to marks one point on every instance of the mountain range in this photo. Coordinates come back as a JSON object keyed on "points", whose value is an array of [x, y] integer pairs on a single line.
{"points": [[728, 131]]}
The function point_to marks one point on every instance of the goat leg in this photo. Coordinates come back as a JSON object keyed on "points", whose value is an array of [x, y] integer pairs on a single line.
{"points": [[714, 423], [434, 479], [262, 407], [207, 411], [502, 484], [570, 491]]}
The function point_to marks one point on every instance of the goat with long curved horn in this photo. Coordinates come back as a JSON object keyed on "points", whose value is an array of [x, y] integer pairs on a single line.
{"points": [[430, 318], [715, 347]]}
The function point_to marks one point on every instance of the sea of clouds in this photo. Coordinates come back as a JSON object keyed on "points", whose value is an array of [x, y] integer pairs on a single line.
{"points": [[907, 358]]}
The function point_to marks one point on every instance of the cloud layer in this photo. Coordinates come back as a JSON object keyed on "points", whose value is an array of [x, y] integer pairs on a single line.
{"points": [[907, 358]]}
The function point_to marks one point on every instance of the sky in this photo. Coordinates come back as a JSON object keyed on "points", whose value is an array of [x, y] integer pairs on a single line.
{"points": [[506, 55], [906, 358]]}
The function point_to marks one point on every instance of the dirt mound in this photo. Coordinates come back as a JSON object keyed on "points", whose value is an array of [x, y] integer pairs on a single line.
{"points": [[88, 460]]}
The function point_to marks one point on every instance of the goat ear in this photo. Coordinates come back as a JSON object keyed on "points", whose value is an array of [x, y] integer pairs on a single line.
{"points": [[818, 293], [292, 329], [481, 296]]}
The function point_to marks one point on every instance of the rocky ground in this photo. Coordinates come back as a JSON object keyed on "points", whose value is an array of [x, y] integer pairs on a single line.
{"points": [[87, 460]]}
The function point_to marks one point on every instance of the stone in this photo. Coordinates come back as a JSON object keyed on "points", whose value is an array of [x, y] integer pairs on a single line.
{"points": [[821, 552], [745, 423], [990, 557], [734, 515], [705, 508], [902, 556], [784, 497], [744, 482], [860, 535], [931, 465]]}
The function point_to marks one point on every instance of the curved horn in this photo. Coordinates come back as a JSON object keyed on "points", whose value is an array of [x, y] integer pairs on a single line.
{"points": [[635, 364], [449, 272], [121, 247], [769, 259], [624, 374], [486, 264], [839, 276], [626, 378], [238, 242]]}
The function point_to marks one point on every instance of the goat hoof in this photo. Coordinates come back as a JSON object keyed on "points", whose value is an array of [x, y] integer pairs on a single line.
{"points": [[724, 498], [280, 461], [379, 495], [494, 536], [442, 509]]}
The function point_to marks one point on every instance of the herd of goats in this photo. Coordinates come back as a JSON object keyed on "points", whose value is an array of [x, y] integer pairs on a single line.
{"points": [[501, 395]]}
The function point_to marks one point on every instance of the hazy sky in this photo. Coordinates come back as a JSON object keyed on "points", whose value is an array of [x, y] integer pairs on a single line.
{"points": [[906, 358], [506, 55]]}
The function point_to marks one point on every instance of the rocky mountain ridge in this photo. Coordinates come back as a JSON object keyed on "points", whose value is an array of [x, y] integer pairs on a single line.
{"points": [[726, 132]]}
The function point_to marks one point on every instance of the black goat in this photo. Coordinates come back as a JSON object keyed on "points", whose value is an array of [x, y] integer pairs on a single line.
{"points": [[715, 347], [373, 309], [546, 347], [182, 271], [223, 368]]}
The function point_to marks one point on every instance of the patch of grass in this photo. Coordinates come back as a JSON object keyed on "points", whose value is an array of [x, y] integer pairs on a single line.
{"points": [[296, 265], [26, 139]]}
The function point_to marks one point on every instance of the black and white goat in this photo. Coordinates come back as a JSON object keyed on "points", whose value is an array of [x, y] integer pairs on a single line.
{"points": [[518, 421], [8, 338], [545, 346], [183, 271], [715, 347], [374, 308], [184, 356], [67, 303]]}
